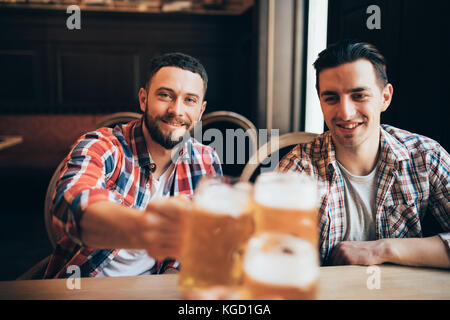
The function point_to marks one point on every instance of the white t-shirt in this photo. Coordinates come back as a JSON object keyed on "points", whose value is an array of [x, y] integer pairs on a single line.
{"points": [[130, 262], [360, 196]]}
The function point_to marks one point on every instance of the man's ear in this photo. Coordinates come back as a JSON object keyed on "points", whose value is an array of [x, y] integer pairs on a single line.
{"points": [[203, 110], [387, 93], [142, 96]]}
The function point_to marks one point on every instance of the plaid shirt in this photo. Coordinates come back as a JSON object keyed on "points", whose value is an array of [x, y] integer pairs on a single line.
{"points": [[413, 180], [114, 164]]}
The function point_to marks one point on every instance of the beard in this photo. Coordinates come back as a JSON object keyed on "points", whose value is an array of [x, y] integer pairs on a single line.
{"points": [[167, 141]]}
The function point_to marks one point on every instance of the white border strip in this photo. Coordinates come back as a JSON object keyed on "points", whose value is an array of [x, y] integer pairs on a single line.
{"points": [[317, 41], [270, 64]]}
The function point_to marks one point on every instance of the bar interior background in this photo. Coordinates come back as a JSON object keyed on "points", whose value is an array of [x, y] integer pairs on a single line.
{"points": [[56, 84]]}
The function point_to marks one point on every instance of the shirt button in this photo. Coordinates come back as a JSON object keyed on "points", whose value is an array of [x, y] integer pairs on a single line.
{"points": [[147, 185]]}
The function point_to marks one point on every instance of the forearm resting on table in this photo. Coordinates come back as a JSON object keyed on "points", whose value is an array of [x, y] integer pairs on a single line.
{"points": [[107, 224], [431, 252]]}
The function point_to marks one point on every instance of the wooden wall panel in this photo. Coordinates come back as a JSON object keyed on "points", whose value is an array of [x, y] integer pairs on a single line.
{"points": [[102, 77], [20, 77], [98, 69]]}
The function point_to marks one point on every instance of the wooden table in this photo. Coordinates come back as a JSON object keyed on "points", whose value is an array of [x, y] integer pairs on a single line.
{"points": [[9, 141], [343, 282]]}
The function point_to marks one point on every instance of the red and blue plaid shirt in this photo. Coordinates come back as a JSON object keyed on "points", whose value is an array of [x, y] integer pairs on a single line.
{"points": [[413, 181], [114, 164]]}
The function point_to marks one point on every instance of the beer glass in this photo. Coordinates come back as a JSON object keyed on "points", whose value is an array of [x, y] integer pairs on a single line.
{"points": [[220, 225], [280, 266], [287, 203]]}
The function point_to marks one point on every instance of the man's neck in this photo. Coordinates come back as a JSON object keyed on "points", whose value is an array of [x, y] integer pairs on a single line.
{"points": [[160, 156], [359, 160]]}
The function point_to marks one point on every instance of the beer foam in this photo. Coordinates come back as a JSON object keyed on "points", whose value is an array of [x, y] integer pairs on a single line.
{"points": [[286, 190], [223, 199], [280, 259]]}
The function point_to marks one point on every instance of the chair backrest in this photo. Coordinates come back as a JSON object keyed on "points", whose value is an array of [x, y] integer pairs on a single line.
{"points": [[110, 122], [53, 237], [283, 141], [118, 118], [223, 121]]}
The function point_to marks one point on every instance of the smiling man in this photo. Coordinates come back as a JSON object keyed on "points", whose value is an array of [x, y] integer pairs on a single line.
{"points": [[378, 183], [117, 204]]}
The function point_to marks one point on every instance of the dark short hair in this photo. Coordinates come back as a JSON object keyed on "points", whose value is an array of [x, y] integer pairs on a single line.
{"points": [[180, 60], [349, 51]]}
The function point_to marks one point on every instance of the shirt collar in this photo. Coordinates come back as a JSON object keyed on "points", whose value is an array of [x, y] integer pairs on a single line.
{"points": [[142, 156], [391, 151], [328, 154]]}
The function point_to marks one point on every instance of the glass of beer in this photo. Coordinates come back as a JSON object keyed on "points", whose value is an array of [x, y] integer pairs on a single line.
{"points": [[287, 203], [280, 266], [220, 225]]}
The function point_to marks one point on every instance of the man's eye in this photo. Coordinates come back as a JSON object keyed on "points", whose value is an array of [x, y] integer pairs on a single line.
{"points": [[191, 100], [164, 95], [330, 99], [359, 96]]}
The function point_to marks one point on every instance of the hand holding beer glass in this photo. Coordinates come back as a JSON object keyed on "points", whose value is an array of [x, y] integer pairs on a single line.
{"points": [[220, 225]]}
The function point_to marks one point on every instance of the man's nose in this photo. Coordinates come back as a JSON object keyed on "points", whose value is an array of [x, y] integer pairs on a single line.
{"points": [[177, 106], [347, 109]]}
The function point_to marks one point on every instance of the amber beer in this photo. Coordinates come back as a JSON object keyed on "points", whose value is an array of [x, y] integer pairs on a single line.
{"points": [[286, 203], [218, 230], [280, 266]]}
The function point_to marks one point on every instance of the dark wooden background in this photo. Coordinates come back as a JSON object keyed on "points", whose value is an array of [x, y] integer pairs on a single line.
{"points": [[48, 69]]}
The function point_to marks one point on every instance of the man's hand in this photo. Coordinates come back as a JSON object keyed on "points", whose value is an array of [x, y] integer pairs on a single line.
{"points": [[159, 230], [162, 228], [358, 252], [426, 252]]}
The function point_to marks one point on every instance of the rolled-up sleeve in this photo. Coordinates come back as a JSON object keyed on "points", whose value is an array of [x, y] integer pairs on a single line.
{"points": [[439, 172], [82, 182]]}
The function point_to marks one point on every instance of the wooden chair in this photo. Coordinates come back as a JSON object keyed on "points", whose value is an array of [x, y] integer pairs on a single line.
{"points": [[223, 120], [37, 271], [285, 142]]}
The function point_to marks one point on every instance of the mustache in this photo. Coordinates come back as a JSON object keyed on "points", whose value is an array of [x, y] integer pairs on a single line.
{"points": [[173, 118]]}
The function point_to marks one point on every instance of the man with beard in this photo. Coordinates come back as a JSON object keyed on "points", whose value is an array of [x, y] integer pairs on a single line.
{"points": [[379, 185], [119, 204]]}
